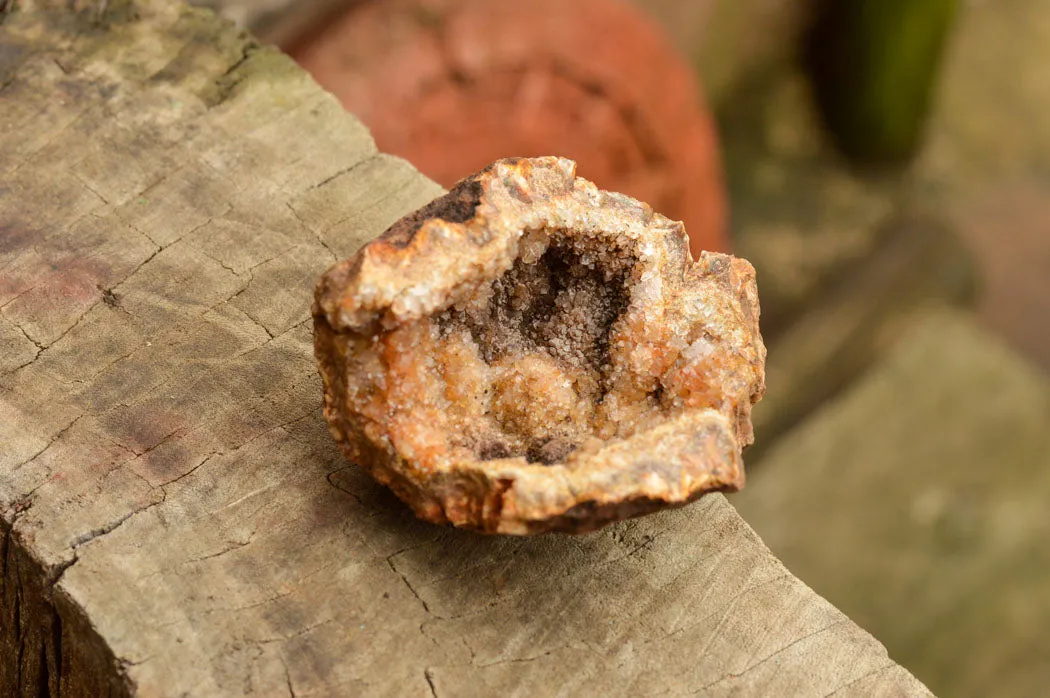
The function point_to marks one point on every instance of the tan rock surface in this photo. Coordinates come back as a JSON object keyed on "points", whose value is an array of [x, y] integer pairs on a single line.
{"points": [[529, 353]]}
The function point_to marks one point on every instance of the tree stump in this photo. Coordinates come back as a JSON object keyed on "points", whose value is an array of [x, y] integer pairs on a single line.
{"points": [[176, 519]]}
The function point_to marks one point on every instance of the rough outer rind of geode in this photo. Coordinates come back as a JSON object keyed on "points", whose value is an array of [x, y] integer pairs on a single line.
{"points": [[528, 354]]}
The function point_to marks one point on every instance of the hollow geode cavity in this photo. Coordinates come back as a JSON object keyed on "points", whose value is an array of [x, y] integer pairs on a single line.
{"points": [[528, 354]]}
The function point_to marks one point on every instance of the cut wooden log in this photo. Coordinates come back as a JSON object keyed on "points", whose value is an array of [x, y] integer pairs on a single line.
{"points": [[176, 519]]}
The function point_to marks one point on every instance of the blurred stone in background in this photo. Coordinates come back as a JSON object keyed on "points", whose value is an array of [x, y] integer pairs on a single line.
{"points": [[917, 503], [987, 162], [452, 85], [727, 40]]}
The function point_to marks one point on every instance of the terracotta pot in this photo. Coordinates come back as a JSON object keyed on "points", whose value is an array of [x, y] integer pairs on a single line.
{"points": [[452, 85]]}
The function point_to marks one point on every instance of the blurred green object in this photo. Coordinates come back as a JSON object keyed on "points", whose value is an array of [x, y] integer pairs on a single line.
{"points": [[874, 65]]}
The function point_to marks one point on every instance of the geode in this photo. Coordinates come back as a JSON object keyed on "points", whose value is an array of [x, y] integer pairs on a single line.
{"points": [[528, 354]]}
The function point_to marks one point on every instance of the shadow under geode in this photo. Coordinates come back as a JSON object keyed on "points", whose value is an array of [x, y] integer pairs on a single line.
{"points": [[489, 598]]}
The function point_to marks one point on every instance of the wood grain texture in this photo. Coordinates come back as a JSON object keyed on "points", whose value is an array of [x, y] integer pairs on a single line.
{"points": [[176, 519]]}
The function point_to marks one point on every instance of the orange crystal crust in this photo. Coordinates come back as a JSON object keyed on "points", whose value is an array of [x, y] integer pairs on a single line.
{"points": [[528, 354]]}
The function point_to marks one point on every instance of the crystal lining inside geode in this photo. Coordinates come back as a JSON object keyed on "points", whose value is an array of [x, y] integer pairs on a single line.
{"points": [[537, 343]]}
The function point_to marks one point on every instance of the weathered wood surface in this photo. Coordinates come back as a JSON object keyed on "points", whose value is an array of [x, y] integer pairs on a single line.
{"points": [[176, 520]]}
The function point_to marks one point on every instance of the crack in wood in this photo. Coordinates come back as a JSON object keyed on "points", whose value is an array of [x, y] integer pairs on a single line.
{"points": [[866, 675], [50, 443], [404, 578], [108, 528], [751, 667]]}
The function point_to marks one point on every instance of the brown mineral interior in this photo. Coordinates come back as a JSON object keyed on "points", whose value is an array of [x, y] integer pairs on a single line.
{"points": [[538, 343], [528, 353]]}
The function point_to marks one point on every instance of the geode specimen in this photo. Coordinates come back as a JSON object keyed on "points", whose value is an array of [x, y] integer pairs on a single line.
{"points": [[528, 353]]}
